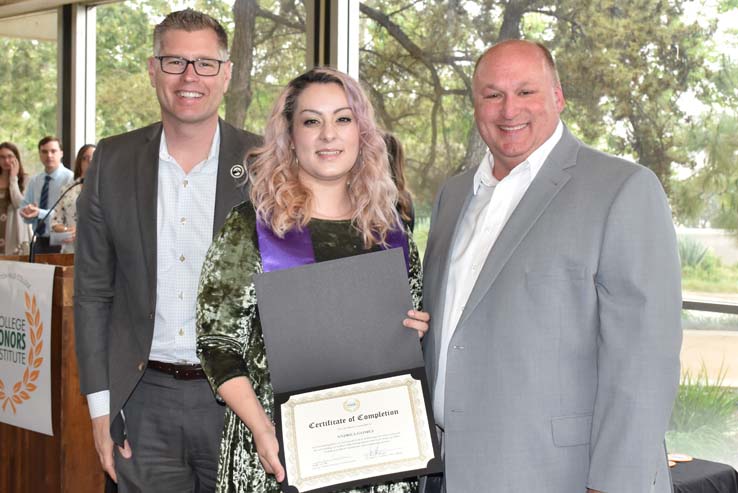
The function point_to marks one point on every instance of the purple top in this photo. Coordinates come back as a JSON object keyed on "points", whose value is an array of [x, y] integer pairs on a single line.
{"points": [[296, 248]]}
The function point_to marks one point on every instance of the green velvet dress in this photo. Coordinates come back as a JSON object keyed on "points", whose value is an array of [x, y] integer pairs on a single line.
{"points": [[230, 342]]}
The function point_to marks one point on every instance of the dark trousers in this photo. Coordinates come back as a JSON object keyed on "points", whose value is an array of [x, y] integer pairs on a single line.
{"points": [[42, 246], [432, 484], [435, 482], [174, 428]]}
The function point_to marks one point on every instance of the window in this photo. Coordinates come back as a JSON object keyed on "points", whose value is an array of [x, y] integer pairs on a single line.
{"points": [[28, 83]]}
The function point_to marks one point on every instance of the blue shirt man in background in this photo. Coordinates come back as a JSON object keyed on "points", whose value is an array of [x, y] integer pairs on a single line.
{"points": [[44, 190]]}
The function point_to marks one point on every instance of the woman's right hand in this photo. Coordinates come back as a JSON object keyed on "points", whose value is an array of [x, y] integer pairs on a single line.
{"points": [[14, 167], [240, 397], [267, 447]]}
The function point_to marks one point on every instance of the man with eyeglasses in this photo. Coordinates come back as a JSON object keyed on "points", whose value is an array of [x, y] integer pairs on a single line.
{"points": [[152, 201]]}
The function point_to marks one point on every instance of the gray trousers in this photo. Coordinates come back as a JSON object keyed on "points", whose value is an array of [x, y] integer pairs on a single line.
{"points": [[174, 429]]}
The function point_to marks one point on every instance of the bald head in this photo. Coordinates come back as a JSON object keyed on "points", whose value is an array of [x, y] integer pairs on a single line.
{"points": [[522, 43]]}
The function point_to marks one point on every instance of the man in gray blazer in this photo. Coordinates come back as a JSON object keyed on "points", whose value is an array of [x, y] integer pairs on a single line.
{"points": [[553, 278], [151, 203]]}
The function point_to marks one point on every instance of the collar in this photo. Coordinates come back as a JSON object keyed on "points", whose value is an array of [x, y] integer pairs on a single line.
{"points": [[212, 154], [55, 174], [532, 165]]}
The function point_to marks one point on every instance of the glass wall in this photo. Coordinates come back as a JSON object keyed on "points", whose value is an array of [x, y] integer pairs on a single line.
{"points": [[651, 81], [28, 83], [267, 48], [705, 422]]}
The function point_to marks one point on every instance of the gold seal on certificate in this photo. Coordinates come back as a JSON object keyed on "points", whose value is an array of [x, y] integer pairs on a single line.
{"points": [[352, 432]]}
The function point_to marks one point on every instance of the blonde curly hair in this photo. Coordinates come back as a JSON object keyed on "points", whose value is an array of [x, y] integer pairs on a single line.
{"points": [[280, 199]]}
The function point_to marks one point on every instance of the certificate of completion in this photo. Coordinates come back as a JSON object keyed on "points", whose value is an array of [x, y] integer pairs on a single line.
{"points": [[351, 398], [351, 432]]}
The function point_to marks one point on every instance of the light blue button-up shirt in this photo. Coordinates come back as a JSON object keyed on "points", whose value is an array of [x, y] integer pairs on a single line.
{"points": [[61, 177]]}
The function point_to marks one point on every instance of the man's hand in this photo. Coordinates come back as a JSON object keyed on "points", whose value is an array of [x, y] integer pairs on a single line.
{"points": [[104, 445], [30, 211], [593, 491], [418, 321]]}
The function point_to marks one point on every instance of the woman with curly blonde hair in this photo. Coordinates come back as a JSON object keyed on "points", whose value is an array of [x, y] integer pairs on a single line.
{"points": [[320, 189]]}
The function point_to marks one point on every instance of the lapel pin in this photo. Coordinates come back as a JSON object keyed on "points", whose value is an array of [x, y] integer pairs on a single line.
{"points": [[237, 170]]}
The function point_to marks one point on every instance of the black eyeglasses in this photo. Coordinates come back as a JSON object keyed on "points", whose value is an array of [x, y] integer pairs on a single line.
{"points": [[176, 65]]}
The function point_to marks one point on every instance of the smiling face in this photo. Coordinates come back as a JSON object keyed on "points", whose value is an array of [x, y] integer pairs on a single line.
{"points": [[517, 102], [189, 98], [325, 135]]}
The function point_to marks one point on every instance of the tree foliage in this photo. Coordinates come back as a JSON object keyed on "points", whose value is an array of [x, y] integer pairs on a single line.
{"points": [[627, 69], [624, 67], [28, 94]]}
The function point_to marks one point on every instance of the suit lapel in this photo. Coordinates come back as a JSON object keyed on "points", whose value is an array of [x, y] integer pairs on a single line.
{"points": [[550, 180], [456, 199], [147, 172], [227, 193]]}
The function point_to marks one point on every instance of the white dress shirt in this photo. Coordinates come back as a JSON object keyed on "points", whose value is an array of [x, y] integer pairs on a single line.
{"points": [[185, 209], [488, 211]]}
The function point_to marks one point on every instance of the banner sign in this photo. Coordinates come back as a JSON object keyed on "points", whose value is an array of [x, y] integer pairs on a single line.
{"points": [[25, 340]]}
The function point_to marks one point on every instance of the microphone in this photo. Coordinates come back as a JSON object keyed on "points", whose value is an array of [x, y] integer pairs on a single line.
{"points": [[31, 249]]}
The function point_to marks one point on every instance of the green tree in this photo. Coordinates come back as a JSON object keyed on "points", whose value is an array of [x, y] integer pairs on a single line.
{"points": [[710, 195], [624, 67], [28, 92]]}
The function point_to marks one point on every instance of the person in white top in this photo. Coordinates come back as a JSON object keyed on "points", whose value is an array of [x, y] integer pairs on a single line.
{"points": [[553, 279], [15, 234], [152, 201], [65, 220]]}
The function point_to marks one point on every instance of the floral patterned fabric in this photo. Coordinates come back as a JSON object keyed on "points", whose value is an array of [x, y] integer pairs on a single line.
{"points": [[230, 342], [66, 213]]}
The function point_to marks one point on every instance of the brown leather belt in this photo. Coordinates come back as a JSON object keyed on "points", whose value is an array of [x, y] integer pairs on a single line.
{"points": [[180, 372]]}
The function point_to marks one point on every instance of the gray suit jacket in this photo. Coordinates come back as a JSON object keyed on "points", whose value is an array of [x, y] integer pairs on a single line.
{"points": [[115, 264], [563, 368]]}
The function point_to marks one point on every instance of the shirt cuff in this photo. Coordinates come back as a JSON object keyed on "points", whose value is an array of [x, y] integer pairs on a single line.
{"points": [[99, 403]]}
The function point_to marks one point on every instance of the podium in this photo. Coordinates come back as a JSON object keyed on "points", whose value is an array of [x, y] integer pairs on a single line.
{"points": [[31, 462]]}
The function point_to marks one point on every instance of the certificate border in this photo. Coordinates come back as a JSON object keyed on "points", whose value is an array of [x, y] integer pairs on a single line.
{"points": [[434, 463], [423, 443]]}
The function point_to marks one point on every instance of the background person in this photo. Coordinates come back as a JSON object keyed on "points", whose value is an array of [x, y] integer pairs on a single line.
{"points": [[553, 275], [65, 219], [396, 157], [152, 201], [43, 190], [322, 172], [13, 182]]}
